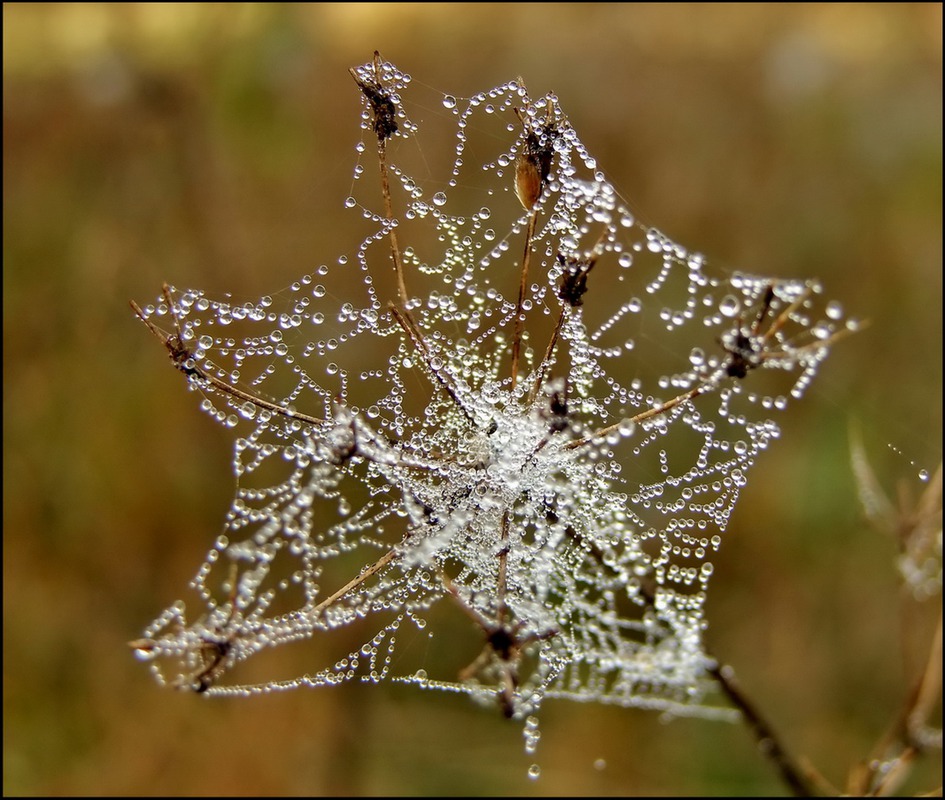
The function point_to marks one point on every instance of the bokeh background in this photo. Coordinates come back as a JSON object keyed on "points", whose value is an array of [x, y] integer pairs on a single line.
{"points": [[212, 146]]}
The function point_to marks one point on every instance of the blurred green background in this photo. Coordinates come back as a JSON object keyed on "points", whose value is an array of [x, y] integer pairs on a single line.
{"points": [[212, 146]]}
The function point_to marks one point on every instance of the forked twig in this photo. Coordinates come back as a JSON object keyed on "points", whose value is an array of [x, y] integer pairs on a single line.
{"points": [[183, 359], [747, 353], [406, 321], [214, 651], [504, 645]]}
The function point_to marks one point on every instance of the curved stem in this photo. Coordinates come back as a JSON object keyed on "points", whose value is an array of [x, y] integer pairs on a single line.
{"points": [[768, 742]]}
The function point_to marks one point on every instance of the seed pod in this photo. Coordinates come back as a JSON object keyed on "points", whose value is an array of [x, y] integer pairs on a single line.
{"points": [[383, 106], [533, 165], [528, 179]]}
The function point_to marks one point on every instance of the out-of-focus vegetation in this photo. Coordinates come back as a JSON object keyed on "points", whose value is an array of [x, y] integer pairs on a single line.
{"points": [[212, 146]]}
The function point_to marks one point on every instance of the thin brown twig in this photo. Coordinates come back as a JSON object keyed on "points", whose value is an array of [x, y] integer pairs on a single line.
{"points": [[406, 321], [392, 230], [376, 567], [532, 168], [502, 579], [385, 125], [669, 405], [180, 354], [546, 359], [768, 742]]}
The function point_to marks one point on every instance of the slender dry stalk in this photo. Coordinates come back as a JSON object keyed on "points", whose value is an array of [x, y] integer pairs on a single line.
{"points": [[769, 743], [183, 358], [385, 126]]}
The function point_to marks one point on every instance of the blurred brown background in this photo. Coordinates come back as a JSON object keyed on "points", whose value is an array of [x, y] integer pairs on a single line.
{"points": [[212, 146]]}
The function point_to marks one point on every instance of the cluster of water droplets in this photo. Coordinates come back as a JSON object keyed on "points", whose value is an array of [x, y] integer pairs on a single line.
{"points": [[387, 462]]}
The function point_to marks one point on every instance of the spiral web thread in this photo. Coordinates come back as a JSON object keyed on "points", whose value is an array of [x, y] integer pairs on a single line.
{"points": [[388, 462]]}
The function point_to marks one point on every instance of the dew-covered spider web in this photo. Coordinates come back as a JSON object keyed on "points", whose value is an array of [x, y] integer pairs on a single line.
{"points": [[506, 397]]}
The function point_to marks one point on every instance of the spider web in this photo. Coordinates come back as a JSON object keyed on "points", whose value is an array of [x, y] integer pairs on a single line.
{"points": [[388, 463]]}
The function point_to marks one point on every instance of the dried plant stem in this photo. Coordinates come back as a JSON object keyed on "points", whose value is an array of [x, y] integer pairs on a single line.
{"points": [[180, 354], [384, 109], [569, 299], [724, 675], [768, 742], [391, 223], [523, 283], [782, 318], [355, 582], [546, 359], [501, 580], [669, 405], [406, 321]]}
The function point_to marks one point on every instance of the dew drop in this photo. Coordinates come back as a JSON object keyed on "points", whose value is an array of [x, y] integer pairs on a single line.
{"points": [[534, 771], [145, 653], [729, 306], [439, 199], [449, 101]]}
